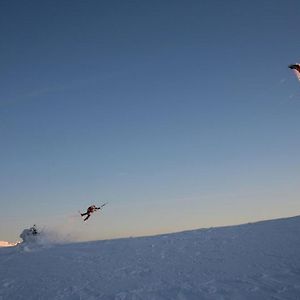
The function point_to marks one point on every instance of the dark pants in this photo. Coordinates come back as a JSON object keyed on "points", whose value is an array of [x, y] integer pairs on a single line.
{"points": [[87, 214]]}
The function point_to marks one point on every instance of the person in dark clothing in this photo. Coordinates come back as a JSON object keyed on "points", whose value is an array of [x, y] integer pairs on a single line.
{"points": [[89, 211], [33, 230]]}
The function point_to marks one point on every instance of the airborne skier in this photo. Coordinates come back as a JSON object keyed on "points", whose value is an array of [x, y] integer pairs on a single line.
{"points": [[90, 210]]}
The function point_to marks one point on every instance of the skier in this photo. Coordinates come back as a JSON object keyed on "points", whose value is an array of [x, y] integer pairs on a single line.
{"points": [[89, 211], [33, 230]]}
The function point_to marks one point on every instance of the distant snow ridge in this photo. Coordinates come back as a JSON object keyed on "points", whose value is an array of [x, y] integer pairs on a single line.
{"points": [[7, 244], [255, 261]]}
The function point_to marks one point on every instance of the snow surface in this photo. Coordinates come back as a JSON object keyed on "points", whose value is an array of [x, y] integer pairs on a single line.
{"points": [[252, 261]]}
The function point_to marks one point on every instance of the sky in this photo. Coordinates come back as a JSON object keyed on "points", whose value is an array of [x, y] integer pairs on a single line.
{"points": [[181, 115]]}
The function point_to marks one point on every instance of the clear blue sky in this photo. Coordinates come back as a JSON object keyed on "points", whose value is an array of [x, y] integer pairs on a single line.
{"points": [[181, 114]]}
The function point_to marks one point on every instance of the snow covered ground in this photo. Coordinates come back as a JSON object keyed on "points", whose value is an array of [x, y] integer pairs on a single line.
{"points": [[252, 261]]}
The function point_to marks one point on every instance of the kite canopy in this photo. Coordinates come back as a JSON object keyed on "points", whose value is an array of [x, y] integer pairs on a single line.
{"points": [[296, 68]]}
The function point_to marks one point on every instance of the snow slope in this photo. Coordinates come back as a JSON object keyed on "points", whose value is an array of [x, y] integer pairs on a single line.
{"points": [[252, 261]]}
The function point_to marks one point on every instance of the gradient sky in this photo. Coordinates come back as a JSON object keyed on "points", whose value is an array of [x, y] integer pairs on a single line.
{"points": [[180, 114]]}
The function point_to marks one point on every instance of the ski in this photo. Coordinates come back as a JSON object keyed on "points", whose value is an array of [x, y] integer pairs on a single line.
{"points": [[103, 205]]}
